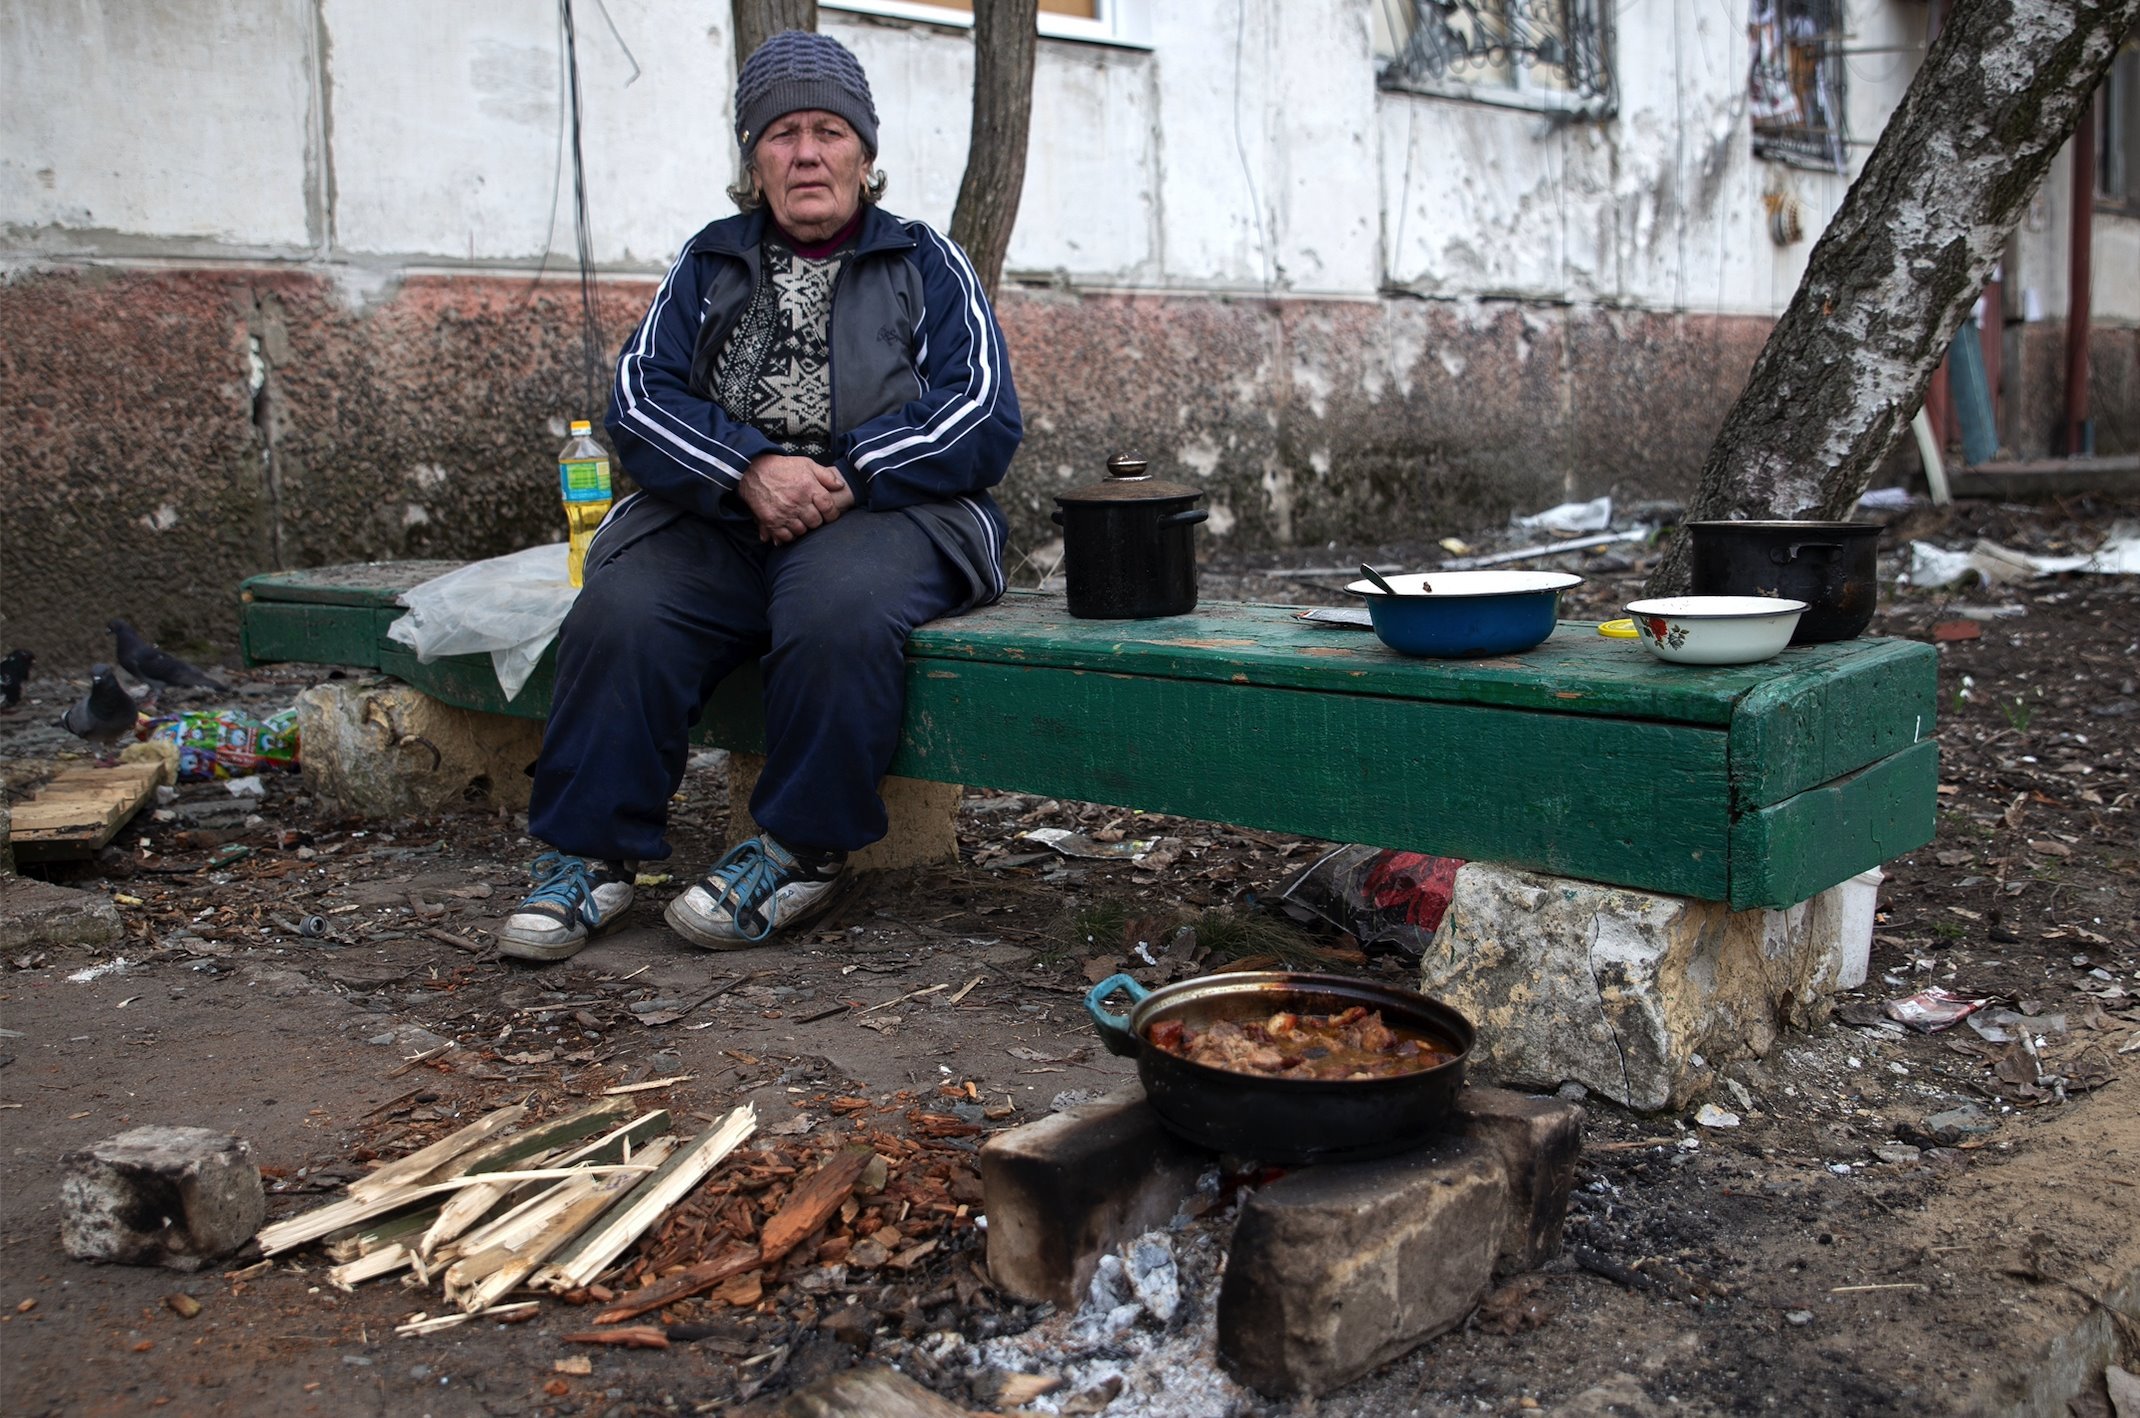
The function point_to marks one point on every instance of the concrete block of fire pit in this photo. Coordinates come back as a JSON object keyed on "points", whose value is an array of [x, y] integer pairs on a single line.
{"points": [[1061, 1192], [1539, 1141], [173, 1196], [1338, 1269], [1634, 995]]}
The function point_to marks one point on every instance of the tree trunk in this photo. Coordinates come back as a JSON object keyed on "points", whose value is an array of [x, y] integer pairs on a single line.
{"points": [[1004, 43], [1890, 281], [756, 21]]}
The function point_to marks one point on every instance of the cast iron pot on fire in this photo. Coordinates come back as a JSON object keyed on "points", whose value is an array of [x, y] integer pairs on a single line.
{"points": [[1127, 553]]}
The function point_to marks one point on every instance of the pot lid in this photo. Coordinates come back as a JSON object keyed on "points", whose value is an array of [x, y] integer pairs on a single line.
{"points": [[1127, 481]]}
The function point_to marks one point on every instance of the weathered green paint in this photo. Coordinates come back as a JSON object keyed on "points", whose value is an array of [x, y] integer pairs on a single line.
{"points": [[1811, 725], [1760, 784], [1616, 800], [272, 631], [1787, 851]]}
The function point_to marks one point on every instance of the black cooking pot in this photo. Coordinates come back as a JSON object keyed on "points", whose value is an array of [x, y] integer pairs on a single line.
{"points": [[1288, 1121], [1127, 553], [1832, 566]]}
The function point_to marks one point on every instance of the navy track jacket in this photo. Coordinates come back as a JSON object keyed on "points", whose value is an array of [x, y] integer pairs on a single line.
{"points": [[925, 417]]}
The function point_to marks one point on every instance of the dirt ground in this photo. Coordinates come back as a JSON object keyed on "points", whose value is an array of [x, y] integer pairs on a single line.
{"points": [[1854, 1245]]}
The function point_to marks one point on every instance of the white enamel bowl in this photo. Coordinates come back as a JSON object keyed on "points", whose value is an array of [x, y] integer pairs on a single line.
{"points": [[1715, 630]]}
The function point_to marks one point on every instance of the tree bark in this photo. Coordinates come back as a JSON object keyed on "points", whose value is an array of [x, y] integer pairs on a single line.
{"points": [[756, 21], [1004, 43], [1890, 281]]}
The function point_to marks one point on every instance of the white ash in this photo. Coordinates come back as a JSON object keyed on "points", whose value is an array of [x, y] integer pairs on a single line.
{"points": [[1148, 1321]]}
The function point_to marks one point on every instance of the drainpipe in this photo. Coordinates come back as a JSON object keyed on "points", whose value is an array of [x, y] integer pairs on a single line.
{"points": [[2080, 435]]}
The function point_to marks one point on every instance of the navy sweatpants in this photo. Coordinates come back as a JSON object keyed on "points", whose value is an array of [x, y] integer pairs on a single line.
{"points": [[662, 621]]}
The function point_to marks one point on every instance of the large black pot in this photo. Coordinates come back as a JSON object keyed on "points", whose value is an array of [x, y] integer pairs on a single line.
{"points": [[1832, 566], [1127, 553], [1288, 1121]]}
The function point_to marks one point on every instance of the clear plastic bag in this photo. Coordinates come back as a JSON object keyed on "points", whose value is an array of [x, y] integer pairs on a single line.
{"points": [[510, 606]]}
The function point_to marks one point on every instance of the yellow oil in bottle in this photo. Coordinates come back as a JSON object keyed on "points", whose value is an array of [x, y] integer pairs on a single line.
{"points": [[583, 485]]}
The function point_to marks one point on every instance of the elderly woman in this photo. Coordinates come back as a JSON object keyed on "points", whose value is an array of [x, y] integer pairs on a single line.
{"points": [[814, 409]]}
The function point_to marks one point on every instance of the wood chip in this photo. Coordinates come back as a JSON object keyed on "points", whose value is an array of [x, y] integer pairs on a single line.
{"points": [[638, 1336], [808, 1206], [649, 1085]]}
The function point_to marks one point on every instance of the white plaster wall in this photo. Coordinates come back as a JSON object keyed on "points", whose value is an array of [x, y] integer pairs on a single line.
{"points": [[446, 129], [1660, 207], [2039, 255], [1247, 149], [185, 120]]}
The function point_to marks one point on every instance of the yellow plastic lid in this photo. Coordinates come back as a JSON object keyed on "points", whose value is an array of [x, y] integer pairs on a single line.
{"points": [[1619, 630], [581, 428]]}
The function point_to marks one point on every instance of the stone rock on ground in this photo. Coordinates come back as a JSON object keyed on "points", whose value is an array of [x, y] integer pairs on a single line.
{"points": [[1063, 1190], [1539, 1141], [1336, 1270], [180, 1197], [36, 913], [1635, 995], [383, 749]]}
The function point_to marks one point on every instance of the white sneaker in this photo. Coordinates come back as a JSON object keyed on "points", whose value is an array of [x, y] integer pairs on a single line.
{"points": [[758, 888], [573, 900]]}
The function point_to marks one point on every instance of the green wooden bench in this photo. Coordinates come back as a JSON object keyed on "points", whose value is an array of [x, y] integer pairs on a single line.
{"points": [[1758, 785]]}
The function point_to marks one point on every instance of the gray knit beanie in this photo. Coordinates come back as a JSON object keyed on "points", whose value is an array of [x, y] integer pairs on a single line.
{"points": [[798, 69]]}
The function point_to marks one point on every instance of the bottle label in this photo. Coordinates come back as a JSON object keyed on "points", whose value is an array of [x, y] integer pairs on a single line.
{"points": [[584, 480]]}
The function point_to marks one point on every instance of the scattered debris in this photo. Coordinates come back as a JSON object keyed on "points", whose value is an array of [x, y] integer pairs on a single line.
{"points": [[1931, 1010]]}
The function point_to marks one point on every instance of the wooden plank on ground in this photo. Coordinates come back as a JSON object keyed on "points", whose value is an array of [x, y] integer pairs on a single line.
{"points": [[80, 810]]}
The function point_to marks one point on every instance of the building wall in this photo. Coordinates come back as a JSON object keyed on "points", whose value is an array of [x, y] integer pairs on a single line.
{"points": [[293, 282]]}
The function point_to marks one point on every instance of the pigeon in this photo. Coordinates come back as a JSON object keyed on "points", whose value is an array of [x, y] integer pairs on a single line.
{"points": [[14, 674], [159, 667], [104, 713]]}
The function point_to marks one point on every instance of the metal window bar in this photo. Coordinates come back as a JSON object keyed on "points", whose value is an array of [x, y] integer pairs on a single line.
{"points": [[1561, 47], [1795, 81]]}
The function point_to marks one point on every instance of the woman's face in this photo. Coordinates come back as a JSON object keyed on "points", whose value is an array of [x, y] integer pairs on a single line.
{"points": [[809, 165]]}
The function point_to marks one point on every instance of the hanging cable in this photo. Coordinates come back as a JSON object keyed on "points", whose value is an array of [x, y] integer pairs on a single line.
{"points": [[582, 232]]}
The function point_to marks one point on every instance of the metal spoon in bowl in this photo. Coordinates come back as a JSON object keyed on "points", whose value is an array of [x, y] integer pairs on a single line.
{"points": [[1382, 583]]}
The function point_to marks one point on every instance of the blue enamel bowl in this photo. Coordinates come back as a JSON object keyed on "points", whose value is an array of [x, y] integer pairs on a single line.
{"points": [[1465, 614]]}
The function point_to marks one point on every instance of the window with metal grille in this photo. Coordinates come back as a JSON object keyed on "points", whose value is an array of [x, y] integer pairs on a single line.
{"points": [[1547, 54], [1795, 88]]}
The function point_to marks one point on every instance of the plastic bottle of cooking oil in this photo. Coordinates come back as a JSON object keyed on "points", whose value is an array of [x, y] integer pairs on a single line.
{"points": [[583, 484]]}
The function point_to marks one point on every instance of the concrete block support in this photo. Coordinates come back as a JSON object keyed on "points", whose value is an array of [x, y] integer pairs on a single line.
{"points": [[1636, 996], [173, 1196], [384, 749], [924, 818], [1538, 1141], [1336, 1270], [1062, 1191]]}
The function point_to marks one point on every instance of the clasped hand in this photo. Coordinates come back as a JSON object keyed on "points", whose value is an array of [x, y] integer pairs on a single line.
{"points": [[790, 495]]}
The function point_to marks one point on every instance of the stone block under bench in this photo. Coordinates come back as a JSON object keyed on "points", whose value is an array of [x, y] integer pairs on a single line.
{"points": [[1334, 1269]]}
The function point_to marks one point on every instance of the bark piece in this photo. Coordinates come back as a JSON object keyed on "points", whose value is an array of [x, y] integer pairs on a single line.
{"points": [[684, 1284], [808, 1206], [173, 1196]]}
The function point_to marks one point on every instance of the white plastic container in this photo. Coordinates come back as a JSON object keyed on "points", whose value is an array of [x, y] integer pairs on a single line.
{"points": [[1859, 897]]}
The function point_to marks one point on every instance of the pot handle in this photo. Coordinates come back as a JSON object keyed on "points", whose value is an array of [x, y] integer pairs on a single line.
{"points": [[1056, 516], [1784, 556], [1185, 517], [1114, 1028]]}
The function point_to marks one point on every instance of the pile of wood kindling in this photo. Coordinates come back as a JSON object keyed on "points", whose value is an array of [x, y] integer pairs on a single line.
{"points": [[868, 1200], [553, 1207], [487, 1210]]}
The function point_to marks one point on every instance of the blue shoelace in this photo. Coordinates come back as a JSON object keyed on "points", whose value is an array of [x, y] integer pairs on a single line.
{"points": [[562, 880], [749, 879]]}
